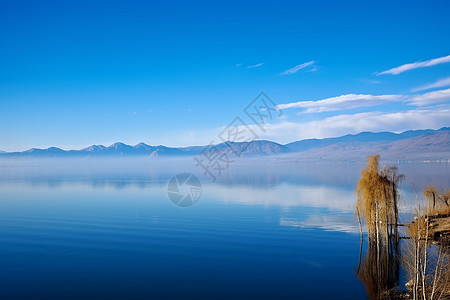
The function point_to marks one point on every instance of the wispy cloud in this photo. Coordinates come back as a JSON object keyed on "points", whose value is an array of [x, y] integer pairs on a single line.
{"points": [[440, 83], [431, 98], [300, 67], [350, 101], [255, 66], [433, 117], [313, 68], [342, 102], [416, 65], [284, 132]]}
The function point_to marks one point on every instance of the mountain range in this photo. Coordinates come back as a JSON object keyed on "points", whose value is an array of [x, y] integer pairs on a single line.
{"points": [[413, 144]]}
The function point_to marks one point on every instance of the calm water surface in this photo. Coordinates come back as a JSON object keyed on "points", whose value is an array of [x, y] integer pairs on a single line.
{"points": [[265, 233]]}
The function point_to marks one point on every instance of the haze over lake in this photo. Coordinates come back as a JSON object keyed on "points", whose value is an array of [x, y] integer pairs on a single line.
{"points": [[106, 228]]}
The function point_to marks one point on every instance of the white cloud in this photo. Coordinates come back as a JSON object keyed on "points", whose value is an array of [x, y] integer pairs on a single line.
{"points": [[416, 65], [288, 131], [431, 98], [440, 83], [299, 67], [314, 68], [342, 102], [426, 115], [255, 66], [285, 132]]}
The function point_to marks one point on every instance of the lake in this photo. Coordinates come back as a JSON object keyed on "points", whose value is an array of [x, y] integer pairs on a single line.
{"points": [[90, 230]]}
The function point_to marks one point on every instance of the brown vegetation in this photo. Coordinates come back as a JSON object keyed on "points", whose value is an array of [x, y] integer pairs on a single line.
{"points": [[425, 254], [377, 198], [433, 224]]}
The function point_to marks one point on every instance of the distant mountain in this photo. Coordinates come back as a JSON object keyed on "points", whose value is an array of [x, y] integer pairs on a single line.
{"points": [[412, 144], [119, 149], [94, 149], [116, 149], [144, 148], [307, 144], [192, 150], [52, 151], [248, 149], [166, 151], [429, 146]]}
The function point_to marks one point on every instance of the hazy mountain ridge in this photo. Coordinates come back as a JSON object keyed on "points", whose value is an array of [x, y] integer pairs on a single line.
{"points": [[364, 136], [250, 149], [412, 143], [427, 147]]}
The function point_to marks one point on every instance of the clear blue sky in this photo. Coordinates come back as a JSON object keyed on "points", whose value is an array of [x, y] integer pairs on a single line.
{"points": [[76, 73]]}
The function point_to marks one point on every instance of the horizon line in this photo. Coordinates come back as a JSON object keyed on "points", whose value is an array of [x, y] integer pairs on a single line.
{"points": [[188, 146]]}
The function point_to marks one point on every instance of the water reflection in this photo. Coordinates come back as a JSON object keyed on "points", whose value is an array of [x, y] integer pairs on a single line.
{"points": [[380, 267], [256, 224], [144, 172], [342, 223]]}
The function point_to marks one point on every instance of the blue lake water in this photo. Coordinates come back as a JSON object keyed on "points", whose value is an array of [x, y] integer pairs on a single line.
{"points": [[265, 232]]}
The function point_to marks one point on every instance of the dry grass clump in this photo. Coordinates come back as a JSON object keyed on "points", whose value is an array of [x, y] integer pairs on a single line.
{"points": [[437, 202], [426, 253], [377, 196], [435, 218], [429, 270]]}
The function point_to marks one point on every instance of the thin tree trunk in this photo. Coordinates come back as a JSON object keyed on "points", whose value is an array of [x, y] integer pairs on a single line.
{"points": [[378, 247], [436, 274], [417, 254], [360, 253], [359, 220], [425, 262], [362, 238], [396, 234]]}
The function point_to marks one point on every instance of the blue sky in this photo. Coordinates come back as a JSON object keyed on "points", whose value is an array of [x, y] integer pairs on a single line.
{"points": [[76, 73]]}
